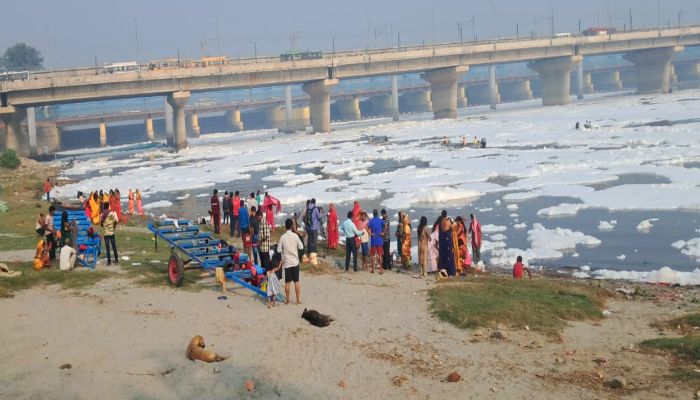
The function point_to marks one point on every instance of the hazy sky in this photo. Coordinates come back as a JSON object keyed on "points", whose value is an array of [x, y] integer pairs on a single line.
{"points": [[74, 32]]}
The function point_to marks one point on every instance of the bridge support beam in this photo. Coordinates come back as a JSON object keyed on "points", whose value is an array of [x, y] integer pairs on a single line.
{"points": [[395, 98], [493, 88], [653, 68], [443, 89], [347, 109], [193, 125], [177, 101], [150, 133], [233, 120], [103, 134], [14, 139], [320, 103], [555, 78], [607, 81]]}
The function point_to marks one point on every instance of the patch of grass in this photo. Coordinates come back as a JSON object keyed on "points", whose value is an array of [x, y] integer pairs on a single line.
{"points": [[21, 189], [686, 375], [687, 347], [543, 305], [68, 280], [686, 323]]}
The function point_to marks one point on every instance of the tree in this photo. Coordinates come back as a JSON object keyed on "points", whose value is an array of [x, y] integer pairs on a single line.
{"points": [[21, 57]]}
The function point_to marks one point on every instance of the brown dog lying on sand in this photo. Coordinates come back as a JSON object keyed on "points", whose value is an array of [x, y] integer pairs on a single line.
{"points": [[195, 351]]}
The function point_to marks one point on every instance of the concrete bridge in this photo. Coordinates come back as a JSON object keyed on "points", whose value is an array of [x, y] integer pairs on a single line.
{"points": [[440, 65]]}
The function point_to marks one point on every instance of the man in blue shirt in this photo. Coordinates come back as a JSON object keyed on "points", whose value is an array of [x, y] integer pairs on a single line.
{"points": [[244, 218], [350, 232], [376, 229]]}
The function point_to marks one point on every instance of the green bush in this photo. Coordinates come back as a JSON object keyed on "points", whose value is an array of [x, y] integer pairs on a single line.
{"points": [[9, 159]]}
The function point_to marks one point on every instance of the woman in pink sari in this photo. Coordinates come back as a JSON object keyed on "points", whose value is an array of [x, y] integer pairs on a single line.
{"points": [[271, 206]]}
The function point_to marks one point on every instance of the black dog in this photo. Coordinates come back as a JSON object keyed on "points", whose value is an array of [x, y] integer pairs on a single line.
{"points": [[316, 318]]}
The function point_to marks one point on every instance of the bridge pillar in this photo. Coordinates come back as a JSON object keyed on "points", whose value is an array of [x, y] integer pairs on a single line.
{"points": [[150, 133], [607, 81], [653, 68], [31, 130], [493, 87], [443, 89], [555, 78], [416, 102], [233, 119], [461, 97], [103, 134], [288, 107], [480, 94], [48, 138], [299, 119], [193, 124], [673, 78], [177, 101], [320, 103], [347, 109], [169, 130], [275, 118], [14, 139], [380, 106], [515, 91], [688, 74], [579, 80], [395, 97]]}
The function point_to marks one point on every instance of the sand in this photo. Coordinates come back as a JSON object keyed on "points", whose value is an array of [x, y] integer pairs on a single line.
{"points": [[128, 342]]}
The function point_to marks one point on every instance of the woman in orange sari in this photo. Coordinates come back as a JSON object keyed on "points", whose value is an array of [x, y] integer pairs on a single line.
{"points": [[138, 202], [455, 247], [131, 202], [332, 227], [406, 242], [95, 208], [41, 257], [459, 232]]}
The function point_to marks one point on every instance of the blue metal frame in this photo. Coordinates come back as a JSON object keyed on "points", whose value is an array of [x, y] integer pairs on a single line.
{"points": [[207, 246]]}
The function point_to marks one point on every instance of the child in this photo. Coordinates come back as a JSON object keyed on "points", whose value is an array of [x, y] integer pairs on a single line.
{"points": [[518, 269], [273, 285]]}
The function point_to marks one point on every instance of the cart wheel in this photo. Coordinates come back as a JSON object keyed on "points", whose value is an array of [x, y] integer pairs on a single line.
{"points": [[176, 270]]}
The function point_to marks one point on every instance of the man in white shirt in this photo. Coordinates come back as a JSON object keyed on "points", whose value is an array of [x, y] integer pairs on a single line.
{"points": [[67, 257], [289, 247]]}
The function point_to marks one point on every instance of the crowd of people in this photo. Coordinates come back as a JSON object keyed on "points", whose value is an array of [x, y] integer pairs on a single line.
{"points": [[450, 245], [102, 208]]}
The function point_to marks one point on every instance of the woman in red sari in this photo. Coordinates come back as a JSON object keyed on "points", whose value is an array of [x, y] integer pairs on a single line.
{"points": [[332, 227]]}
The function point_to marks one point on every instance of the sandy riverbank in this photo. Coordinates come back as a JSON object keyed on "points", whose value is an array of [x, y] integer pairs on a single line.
{"points": [[119, 338]]}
